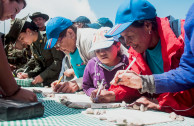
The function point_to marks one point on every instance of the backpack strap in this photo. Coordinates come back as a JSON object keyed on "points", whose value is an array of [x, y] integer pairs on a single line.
{"points": [[175, 25]]}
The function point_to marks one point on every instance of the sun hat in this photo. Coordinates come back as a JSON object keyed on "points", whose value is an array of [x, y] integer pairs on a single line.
{"points": [[16, 28], [130, 11], [101, 42], [39, 14], [53, 28]]}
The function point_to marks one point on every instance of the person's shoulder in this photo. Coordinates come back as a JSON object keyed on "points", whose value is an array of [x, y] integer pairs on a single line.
{"points": [[92, 61]]}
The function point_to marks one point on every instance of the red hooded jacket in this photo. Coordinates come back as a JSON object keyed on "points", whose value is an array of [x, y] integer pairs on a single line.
{"points": [[172, 48]]}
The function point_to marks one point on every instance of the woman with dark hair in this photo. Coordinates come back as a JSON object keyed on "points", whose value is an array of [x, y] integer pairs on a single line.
{"points": [[45, 65], [8, 85]]}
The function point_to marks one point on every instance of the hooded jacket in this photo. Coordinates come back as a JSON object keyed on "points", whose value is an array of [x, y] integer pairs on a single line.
{"points": [[84, 42], [95, 72]]}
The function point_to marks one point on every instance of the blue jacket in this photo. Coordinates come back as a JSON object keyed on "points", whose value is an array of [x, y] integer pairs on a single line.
{"points": [[181, 78]]}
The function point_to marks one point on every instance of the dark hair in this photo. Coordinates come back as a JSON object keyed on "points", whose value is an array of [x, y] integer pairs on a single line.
{"points": [[140, 23], [63, 33], [19, 1], [31, 25]]}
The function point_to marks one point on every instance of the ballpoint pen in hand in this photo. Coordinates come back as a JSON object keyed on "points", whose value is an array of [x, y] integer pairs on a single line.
{"points": [[25, 70], [100, 87], [134, 59]]}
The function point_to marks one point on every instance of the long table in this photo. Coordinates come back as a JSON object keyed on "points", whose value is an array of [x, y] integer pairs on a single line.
{"points": [[57, 114]]}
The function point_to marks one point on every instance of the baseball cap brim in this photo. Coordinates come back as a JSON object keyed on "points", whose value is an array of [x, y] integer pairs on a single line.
{"points": [[101, 45], [94, 25], [117, 29], [50, 43]]}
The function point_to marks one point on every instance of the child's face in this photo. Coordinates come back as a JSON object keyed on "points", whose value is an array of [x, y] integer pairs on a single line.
{"points": [[108, 56]]}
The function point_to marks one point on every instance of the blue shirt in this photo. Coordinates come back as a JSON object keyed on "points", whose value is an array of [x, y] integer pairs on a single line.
{"points": [[182, 78], [154, 59], [77, 63]]}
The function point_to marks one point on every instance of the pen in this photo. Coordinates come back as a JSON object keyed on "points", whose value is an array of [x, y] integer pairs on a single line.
{"points": [[60, 79], [25, 70], [134, 59], [99, 88]]}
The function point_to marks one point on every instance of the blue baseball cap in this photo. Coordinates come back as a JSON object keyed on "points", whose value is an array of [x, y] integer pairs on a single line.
{"points": [[82, 19], [94, 25], [130, 11], [101, 22], [105, 22], [53, 28]]}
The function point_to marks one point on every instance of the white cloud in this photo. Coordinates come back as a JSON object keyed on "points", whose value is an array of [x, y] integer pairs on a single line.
{"points": [[67, 8]]}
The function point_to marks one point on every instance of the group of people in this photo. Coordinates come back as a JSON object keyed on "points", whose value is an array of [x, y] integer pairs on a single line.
{"points": [[91, 56]]}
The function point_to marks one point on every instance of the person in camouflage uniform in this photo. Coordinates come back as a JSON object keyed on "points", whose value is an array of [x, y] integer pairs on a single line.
{"points": [[17, 58], [17, 55], [45, 65]]}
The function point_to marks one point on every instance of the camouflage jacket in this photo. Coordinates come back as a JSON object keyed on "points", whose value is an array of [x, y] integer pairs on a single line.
{"points": [[17, 57], [46, 63]]}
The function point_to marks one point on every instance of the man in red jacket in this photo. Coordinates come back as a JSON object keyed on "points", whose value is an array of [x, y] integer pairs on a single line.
{"points": [[157, 48]]}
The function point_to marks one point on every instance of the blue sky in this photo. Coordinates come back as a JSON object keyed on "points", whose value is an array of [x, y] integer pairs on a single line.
{"points": [[95, 9], [108, 8]]}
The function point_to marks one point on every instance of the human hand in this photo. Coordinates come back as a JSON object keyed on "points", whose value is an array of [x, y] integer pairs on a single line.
{"points": [[24, 95], [69, 73], [65, 87], [12, 67], [22, 75], [103, 97], [129, 79], [148, 103], [37, 79]]}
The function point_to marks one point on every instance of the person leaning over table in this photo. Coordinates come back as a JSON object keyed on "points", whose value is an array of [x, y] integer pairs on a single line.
{"points": [[157, 49], [64, 36], [47, 62], [66, 69], [39, 19], [8, 85], [179, 79]]}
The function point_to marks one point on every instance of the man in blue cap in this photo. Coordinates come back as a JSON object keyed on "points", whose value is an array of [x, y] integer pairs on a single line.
{"points": [[157, 45], [81, 22], [101, 22], [75, 42]]}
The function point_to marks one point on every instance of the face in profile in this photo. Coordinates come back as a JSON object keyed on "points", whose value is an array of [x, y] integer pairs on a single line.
{"points": [[26, 38], [137, 38], [10, 9], [67, 43]]}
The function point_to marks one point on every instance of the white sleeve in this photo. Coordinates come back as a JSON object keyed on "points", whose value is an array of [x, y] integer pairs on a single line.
{"points": [[79, 82]]}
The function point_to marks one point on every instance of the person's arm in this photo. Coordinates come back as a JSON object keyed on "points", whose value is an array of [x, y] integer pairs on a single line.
{"points": [[55, 67], [34, 67], [7, 81], [8, 84], [88, 85]]}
